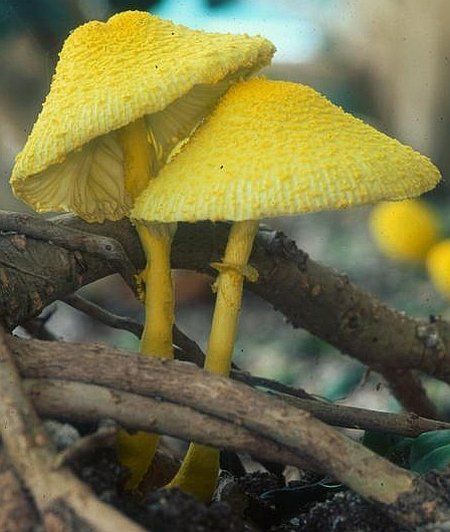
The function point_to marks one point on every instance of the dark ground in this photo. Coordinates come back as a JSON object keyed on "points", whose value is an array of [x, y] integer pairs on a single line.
{"points": [[260, 501]]}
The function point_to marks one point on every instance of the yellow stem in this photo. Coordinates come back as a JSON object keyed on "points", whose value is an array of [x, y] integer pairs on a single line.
{"points": [[138, 157], [159, 305], [199, 470], [229, 296], [136, 451]]}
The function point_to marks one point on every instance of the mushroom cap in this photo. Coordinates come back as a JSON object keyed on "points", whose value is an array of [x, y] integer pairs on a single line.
{"points": [[438, 266], [274, 148], [404, 230], [110, 74]]}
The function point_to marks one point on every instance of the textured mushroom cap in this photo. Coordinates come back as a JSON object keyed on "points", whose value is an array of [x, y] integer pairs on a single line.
{"points": [[438, 266], [275, 148], [108, 75], [404, 230]]}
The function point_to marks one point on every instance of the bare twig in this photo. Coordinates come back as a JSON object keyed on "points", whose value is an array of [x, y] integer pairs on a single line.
{"points": [[266, 417], [191, 352], [407, 385], [104, 316], [82, 402], [269, 384], [71, 239], [88, 403], [341, 416], [190, 349], [33, 456], [404, 424]]}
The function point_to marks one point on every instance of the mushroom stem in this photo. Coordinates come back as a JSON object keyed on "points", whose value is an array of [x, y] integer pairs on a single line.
{"points": [[156, 339], [229, 286], [136, 451], [138, 157], [199, 470]]}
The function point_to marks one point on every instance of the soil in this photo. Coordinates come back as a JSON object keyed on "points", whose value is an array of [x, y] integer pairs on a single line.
{"points": [[252, 502]]}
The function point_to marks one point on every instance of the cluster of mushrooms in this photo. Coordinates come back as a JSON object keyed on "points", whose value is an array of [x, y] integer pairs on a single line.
{"points": [[160, 123]]}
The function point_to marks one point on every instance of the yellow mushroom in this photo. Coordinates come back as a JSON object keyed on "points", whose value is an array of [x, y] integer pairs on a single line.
{"points": [[270, 149], [404, 230], [438, 267], [124, 95]]}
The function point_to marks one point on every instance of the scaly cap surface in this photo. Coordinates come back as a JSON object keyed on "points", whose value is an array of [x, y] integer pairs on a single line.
{"points": [[108, 75], [275, 148]]}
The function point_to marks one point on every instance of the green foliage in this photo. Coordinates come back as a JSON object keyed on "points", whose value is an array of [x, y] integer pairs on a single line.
{"points": [[430, 450]]}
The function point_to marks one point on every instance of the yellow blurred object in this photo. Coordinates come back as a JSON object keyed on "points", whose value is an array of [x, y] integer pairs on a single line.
{"points": [[404, 230], [136, 452], [111, 74], [438, 266]]}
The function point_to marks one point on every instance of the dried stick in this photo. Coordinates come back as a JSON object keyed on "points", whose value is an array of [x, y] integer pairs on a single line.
{"points": [[181, 340], [270, 384], [17, 512], [71, 239], [356, 466], [406, 384], [189, 350], [406, 424], [104, 316], [57, 493], [80, 402], [309, 294]]}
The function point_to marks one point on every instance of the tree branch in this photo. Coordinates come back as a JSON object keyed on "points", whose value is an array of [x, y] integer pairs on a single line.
{"points": [[80, 402], [406, 384], [104, 316], [293, 430], [342, 416], [309, 295], [72, 239], [57, 493], [181, 340], [404, 424], [17, 511]]}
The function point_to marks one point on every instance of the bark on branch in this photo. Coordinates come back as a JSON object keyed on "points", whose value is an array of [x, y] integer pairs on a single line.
{"points": [[34, 272], [266, 417], [404, 424], [80, 402], [60, 497], [17, 511]]}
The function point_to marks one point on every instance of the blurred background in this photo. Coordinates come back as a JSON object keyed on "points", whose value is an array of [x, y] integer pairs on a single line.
{"points": [[385, 61]]}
